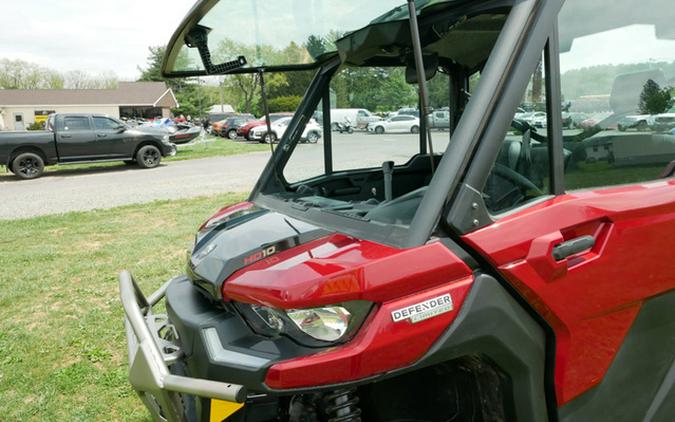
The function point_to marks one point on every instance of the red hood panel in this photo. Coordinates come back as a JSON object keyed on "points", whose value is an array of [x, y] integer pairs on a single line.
{"points": [[338, 268]]}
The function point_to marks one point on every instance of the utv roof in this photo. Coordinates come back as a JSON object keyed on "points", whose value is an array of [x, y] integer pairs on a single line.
{"points": [[182, 61]]}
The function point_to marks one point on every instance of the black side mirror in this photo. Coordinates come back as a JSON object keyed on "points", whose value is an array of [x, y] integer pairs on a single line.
{"points": [[121, 129]]}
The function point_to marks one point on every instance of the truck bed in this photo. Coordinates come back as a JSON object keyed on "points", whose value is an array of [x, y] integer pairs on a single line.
{"points": [[41, 139]]}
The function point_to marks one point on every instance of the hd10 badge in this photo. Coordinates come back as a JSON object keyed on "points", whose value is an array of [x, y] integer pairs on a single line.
{"points": [[424, 310]]}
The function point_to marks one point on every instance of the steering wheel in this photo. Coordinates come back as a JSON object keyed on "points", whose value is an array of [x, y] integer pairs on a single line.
{"points": [[518, 193]]}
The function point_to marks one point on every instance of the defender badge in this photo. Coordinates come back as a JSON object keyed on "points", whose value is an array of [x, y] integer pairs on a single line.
{"points": [[424, 310]]}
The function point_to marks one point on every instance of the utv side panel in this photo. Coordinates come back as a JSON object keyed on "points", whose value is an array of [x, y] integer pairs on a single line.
{"points": [[640, 384], [589, 299]]}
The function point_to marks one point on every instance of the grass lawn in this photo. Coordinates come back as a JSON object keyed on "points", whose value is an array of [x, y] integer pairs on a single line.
{"points": [[212, 147], [61, 322]]}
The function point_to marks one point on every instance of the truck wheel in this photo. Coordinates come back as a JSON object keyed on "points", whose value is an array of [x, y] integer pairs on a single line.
{"points": [[28, 166], [148, 157]]}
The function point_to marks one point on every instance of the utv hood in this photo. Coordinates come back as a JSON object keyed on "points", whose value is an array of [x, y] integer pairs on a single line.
{"points": [[241, 236]]}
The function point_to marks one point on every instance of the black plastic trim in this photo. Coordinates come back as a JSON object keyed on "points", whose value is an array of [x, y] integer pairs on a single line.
{"points": [[494, 325]]}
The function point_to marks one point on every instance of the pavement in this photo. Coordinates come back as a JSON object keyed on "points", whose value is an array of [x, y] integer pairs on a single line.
{"points": [[106, 187]]}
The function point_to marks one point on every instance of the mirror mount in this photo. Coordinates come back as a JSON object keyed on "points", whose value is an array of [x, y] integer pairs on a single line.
{"points": [[431, 64], [198, 38]]}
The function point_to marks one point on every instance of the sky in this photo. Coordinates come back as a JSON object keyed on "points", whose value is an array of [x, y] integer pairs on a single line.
{"points": [[113, 36], [630, 44], [90, 35]]}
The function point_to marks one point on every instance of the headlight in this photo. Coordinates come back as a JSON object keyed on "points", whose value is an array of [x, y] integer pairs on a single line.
{"points": [[310, 327], [166, 139], [326, 324]]}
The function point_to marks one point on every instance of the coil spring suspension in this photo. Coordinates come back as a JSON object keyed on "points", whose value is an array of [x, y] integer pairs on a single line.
{"points": [[342, 406]]}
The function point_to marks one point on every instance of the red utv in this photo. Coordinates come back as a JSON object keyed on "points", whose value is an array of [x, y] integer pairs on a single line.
{"points": [[492, 272]]}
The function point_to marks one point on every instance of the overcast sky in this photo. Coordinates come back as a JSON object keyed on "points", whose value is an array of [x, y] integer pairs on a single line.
{"points": [[113, 36], [90, 35]]}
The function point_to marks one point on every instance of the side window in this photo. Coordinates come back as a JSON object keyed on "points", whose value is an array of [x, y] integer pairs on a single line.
{"points": [[104, 123], [618, 77], [522, 171], [75, 123]]}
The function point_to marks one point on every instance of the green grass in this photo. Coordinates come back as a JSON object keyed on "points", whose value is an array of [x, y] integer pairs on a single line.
{"points": [[62, 343], [213, 147], [601, 173]]}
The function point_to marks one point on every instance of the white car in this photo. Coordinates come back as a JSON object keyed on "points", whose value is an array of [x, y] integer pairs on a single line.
{"points": [[535, 119], [396, 124], [311, 134]]}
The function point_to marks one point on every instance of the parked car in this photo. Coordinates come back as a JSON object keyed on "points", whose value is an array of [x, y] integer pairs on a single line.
{"points": [[396, 124], [537, 119], [245, 129], [311, 133], [439, 119], [663, 122], [229, 127], [637, 122], [77, 138], [407, 111], [503, 278], [181, 133], [359, 117], [213, 118]]}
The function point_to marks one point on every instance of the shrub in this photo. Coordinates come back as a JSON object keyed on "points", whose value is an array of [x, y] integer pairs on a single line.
{"points": [[36, 126], [280, 104]]}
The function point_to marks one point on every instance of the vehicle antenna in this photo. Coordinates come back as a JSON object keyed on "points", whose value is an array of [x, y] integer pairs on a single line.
{"points": [[421, 76], [266, 109]]}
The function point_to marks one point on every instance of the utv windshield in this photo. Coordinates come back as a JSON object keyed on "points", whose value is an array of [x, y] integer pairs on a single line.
{"points": [[357, 157], [279, 34]]}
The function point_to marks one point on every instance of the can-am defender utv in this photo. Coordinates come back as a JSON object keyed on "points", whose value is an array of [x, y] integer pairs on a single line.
{"points": [[499, 279]]}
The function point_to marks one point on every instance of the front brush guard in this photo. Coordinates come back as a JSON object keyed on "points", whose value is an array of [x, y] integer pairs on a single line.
{"points": [[150, 353]]}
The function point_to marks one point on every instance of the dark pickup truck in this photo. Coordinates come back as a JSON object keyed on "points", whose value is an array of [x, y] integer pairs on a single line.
{"points": [[76, 138]]}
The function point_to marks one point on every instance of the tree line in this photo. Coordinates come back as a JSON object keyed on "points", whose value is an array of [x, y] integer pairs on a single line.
{"points": [[19, 74]]}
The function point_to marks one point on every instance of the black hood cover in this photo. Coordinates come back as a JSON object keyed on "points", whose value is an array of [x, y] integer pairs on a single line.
{"points": [[228, 247]]}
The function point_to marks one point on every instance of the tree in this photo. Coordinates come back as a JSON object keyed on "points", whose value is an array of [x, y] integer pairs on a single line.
{"points": [[315, 46], [654, 99], [19, 74], [193, 98], [77, 79]]}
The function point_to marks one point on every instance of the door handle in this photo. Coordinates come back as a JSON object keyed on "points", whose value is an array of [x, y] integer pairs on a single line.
{"points": [[101, 135], [573, 247], [66, 136]]}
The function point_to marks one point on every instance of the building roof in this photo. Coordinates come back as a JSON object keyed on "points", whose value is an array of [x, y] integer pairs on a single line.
{"points": [[221, 108], [127, 94]]}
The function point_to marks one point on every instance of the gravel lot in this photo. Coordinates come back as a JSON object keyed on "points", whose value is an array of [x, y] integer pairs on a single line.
{"points": [[107, 187]]}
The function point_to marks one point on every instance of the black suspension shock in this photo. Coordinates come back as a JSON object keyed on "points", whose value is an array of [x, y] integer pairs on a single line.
{"points": [[342, 406]]}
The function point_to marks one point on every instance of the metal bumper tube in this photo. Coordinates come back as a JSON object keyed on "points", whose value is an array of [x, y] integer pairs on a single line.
{"points": [[148, 371]]}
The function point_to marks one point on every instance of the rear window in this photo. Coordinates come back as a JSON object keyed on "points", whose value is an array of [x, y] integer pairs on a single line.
{"points": [[73, 123]]}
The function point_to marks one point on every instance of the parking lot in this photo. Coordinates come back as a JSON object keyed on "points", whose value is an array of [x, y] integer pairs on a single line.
{"points": [[106, 187]]}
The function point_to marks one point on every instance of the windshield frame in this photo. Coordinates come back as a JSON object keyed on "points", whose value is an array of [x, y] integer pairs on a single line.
{"points": [[505, 56]]}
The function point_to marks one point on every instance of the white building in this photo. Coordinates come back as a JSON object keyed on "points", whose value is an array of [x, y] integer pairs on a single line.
{"points": [[20, 108]]}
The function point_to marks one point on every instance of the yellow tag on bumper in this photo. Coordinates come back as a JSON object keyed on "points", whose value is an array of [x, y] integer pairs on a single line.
{"points": [[221, 410]]}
